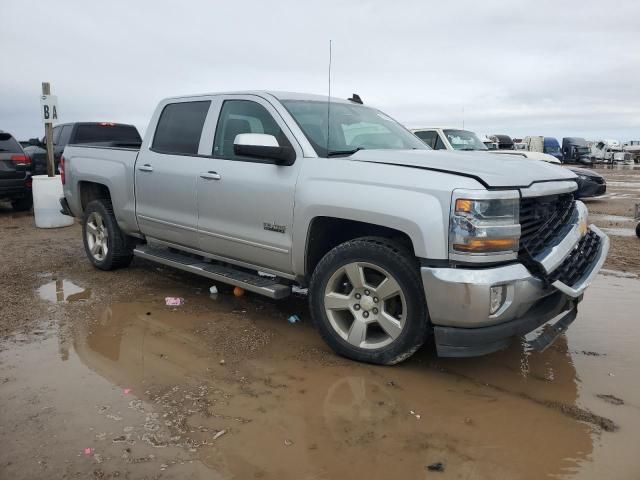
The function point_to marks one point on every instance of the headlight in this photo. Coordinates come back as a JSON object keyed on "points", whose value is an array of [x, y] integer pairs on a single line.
{"points": [[484, 225]]}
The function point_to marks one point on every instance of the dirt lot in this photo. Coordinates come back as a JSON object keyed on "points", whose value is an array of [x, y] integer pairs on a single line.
{"points": [[99, 379]]}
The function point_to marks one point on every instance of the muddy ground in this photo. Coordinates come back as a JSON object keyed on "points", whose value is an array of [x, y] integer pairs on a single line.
{"points": [[99, 379]]}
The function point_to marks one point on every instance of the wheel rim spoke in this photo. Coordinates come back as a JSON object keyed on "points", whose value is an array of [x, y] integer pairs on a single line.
{"points": [[389, 324], [357, 333], [95, 248], [355, 274], [92, 229], [337, 301], [388, 288]]}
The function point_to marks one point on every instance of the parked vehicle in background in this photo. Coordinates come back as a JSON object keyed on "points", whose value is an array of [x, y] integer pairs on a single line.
{"points": [[535, 144], [575, 150], [552, 147], [530, 155], [519, 146], [504, 142], [633, 148], [447, 138], [590, 184], [103, 133], [375, 223], [490, 144], [15, 177], [609, 151]]}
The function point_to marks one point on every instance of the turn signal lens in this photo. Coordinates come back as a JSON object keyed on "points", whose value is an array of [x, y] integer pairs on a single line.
{"points": [[483, 245]]}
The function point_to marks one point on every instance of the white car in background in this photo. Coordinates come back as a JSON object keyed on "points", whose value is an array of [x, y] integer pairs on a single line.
{"points": [[449, 138]]}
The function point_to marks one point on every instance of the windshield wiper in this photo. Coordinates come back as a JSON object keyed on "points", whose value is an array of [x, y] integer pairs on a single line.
{"points": [[341, 153]]}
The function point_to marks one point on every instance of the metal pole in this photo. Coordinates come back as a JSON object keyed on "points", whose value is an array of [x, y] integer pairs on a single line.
{"points": [[48, 131]]}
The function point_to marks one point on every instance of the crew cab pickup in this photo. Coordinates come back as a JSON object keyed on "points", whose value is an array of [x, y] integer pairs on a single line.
{"points": [[395, 242]]}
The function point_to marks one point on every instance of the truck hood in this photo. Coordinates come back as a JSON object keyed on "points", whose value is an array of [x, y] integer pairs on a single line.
{"points": [[493, 171]]}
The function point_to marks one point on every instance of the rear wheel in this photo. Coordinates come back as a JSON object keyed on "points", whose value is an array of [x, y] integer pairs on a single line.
{"points": [[22, 204], [368, 302], [106, 246], [638, 230]]}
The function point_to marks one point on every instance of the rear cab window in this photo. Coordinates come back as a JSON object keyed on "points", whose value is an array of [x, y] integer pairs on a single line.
{"points": [[180, 127], [105, 132], [428, 137]]}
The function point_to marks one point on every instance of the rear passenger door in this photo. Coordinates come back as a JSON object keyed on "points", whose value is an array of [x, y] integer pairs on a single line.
{"points": [[166, 174]]}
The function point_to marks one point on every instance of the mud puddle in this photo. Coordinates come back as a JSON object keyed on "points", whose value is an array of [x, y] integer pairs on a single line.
{"points": [[235, 391]]}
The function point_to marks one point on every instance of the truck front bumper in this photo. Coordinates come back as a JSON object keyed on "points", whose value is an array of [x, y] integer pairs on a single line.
{"points": [[459, 302]]}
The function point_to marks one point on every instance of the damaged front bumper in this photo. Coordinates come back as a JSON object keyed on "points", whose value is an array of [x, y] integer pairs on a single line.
{"points": [[459, 300]]}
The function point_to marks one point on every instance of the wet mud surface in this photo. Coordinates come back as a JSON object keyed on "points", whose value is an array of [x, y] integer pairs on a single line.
{"points": [[100, 379]]}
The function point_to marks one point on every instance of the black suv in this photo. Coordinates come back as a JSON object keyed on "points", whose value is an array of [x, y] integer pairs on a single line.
{"points": [[15, 174]]}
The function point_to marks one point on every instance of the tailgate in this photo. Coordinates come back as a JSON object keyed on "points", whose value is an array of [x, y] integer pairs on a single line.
{"points": [[13, 162]]}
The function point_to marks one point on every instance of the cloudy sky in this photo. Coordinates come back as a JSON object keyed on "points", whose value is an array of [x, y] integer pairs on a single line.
{"points": [[555, 68]]}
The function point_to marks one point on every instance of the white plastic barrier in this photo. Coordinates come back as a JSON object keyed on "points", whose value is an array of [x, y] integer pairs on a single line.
{"points": [[46, 202]]}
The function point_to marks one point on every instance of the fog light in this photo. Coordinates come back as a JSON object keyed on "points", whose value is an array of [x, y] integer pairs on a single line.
{"points": [[497, 298]]}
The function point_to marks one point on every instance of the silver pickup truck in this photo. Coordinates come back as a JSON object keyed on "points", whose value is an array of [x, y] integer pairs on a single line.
{"points": [[396, 242]]}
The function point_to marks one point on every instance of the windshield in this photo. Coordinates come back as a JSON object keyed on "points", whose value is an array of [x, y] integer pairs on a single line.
{"points": [[464, 140], [552, 149], [351, 128]]}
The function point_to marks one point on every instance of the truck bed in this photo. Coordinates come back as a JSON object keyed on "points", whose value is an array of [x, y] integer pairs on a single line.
{"points": [[111, 164]]}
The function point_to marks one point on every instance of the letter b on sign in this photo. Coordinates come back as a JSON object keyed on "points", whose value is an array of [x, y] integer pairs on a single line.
{"points": [[49, 108]]}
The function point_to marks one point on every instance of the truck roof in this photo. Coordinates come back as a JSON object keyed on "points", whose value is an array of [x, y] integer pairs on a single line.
{"points": [[274, 93]]}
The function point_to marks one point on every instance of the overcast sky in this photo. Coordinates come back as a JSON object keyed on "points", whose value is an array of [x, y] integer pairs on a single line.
{"points": [[554, 68]]}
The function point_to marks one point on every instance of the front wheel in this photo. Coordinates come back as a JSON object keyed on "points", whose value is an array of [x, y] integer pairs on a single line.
{"points": [[106, 246], [638, 230], [367, 301]]}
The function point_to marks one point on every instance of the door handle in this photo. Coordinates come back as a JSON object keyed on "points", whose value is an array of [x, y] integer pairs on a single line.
{"points": [[145, 168], [210, 175]]}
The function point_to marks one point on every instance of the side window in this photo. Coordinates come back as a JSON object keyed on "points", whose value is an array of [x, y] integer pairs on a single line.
{"points": [[56, 134], [440, 144], [243, 116], [65, 135], [428, 137], [180, 127]]}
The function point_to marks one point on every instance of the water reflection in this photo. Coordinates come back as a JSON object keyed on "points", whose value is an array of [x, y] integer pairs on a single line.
{"points": [[61, 290], [499, 416]]}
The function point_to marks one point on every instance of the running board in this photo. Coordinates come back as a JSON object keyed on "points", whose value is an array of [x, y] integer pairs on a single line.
{"points": [[268, 287]]}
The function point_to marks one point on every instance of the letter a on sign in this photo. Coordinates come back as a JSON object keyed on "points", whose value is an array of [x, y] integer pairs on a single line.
{"points": [[49, 108]]}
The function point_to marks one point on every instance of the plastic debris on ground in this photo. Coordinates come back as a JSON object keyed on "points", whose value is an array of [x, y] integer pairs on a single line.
{"points": [[173, 301], [213, 289], [219, 434], [436, 467], [238, 292], [88, 451], [293, 319], [126, 391], [288, 443]]}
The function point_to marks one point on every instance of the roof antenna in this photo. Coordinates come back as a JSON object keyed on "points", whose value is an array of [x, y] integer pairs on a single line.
{"points": [[355, 98], [329, 99]]}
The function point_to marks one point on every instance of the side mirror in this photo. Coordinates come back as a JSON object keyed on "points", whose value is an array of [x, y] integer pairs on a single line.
{"points": [[261, 145]]}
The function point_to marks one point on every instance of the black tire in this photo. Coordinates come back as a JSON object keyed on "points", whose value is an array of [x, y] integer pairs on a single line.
{"points": [[638, 230], [22, 204], [120, 246], [397, 261]]}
